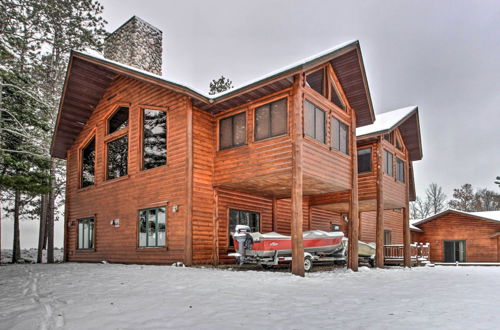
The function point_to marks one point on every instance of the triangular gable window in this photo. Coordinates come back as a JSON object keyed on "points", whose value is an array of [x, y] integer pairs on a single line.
{"points": [[335, 97], [316, 81]]}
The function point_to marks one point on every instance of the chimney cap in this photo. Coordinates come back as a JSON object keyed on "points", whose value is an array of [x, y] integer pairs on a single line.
{"points": [[133, 18]]}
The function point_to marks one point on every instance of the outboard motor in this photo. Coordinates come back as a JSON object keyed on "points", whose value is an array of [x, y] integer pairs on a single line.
{"points": [[244, 239]]}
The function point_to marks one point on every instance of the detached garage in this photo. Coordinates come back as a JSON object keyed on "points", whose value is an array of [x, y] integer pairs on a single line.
{"points": [[461, 236]]}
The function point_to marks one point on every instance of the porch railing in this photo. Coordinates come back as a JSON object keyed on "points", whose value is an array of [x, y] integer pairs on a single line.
{"points": [[420, 253]]}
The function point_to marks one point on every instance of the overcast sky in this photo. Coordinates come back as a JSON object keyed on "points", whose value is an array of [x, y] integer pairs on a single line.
{"points": [[443, 56]]}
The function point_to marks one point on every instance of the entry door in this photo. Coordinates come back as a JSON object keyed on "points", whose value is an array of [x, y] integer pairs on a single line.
{"points": [[454, 251]]}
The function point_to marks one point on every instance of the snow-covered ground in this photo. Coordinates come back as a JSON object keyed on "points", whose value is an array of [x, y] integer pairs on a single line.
{"points": [[113, 296]]}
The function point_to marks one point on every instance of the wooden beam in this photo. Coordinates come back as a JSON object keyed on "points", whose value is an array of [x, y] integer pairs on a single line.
{"points": [[188, 246], [297, 177], [353, 230], [379, 233], [406, 218]]}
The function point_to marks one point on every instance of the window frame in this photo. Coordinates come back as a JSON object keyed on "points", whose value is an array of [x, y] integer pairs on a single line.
{"points": [[330, 85], [386, 167], [400, 162], [106, 158], [114, 110], [139, 246], [84, 145], [347, 131], [219, 126], [270, 103], [229, 209], [371, 159], [91, 238], [325, 123], [141, 130], [387, 234]]}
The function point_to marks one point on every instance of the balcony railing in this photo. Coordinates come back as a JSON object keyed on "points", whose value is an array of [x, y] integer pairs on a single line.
{"points": [[394, 253]]}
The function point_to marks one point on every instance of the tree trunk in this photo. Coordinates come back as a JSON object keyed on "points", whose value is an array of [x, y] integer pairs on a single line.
{"points": [[42, 234], [50, 214], [16, 249]]}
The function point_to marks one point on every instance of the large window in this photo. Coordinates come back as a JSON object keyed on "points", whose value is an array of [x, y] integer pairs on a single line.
{"points": [[152, 227], [86, 233], [154, 140], [340, 134], [117, 158], [271, 120], [117, 149], [233, 131], [238, 217], [400, 170], [388, 160], [314, 122], [88, 164], [365, 160]]}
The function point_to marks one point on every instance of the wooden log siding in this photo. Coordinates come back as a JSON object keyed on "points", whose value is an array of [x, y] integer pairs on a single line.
{"points": [[204, 227], [393, 221], [123, 197], [480, 246], [262, 167]]}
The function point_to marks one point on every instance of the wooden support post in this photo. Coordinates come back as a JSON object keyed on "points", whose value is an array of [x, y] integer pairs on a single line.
{"points": [[297, 209], [216, 260], [188, 238], [353, 205], [275, 215], [379, 233], [406, 218]]}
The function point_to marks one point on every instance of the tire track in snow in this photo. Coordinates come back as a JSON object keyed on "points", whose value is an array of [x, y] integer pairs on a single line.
{"points": [[53, 317]]}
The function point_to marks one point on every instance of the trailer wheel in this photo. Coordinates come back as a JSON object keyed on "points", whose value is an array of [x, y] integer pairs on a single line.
{"points": [[308, 264]]}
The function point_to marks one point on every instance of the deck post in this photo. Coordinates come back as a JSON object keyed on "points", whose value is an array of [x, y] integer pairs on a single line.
{"points": [[275, 215], [297, 194], [188, 230], [379, 236], [406, 217], [353, 230]]}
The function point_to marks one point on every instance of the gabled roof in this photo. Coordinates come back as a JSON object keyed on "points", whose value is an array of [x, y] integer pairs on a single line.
{"points": [[89, 75], [485, 215], [406, 119]]}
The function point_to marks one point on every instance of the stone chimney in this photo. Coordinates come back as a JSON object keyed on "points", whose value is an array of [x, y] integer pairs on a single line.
{"points": [[136, 43]]}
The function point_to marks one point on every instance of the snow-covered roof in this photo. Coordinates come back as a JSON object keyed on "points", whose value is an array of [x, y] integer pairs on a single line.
{"points": [[484, 215], [214, 97], [386, 121], [412, 224], [290, 67]]}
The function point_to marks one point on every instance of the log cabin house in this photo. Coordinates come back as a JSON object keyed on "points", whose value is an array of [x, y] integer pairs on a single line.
{"points": [[158, 172], [458, 236]]}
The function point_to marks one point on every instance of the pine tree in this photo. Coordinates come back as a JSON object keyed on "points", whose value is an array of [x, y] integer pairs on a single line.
{"points": [[35, 41], [220, 85], [463, 198]]}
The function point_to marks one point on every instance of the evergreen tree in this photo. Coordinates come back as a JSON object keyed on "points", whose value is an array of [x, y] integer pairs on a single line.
{"points": [[220, 85], [35, 41], [463, 198]]}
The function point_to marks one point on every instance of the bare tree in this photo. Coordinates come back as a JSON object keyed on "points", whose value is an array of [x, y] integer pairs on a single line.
{"points": [[436, 198], [486, 200], [420, 209]]}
